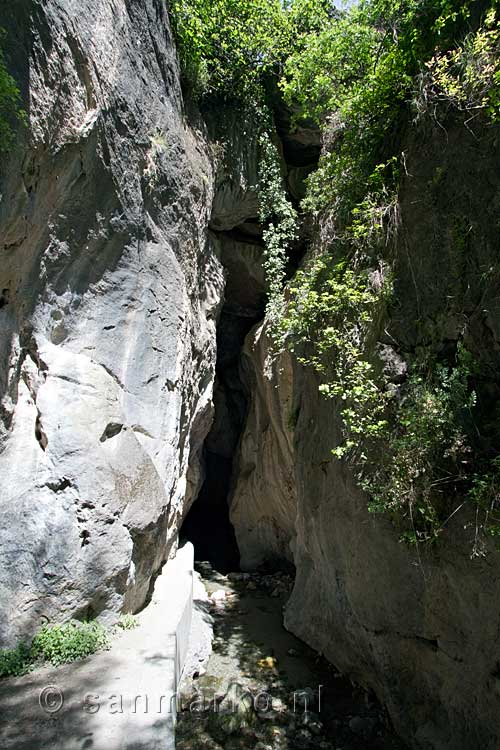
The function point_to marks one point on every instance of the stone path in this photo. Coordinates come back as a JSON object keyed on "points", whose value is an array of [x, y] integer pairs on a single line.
{"points": [[260, 688], [119, 699]]}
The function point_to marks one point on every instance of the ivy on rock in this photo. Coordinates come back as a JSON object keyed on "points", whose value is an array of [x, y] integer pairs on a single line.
{"points": [[9, 103], [363, 75]]}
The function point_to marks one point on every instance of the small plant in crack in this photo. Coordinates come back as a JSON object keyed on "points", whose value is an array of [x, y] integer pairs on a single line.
{"points": [[127, 622], [158, 147]]}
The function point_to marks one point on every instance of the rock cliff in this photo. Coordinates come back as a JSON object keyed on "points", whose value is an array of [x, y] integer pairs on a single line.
{"points": [[420, 629], [130, 276], [110, 295]]}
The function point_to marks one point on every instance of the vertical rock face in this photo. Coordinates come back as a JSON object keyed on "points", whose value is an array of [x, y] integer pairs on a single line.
{"points": [[264, 503], [422, 630], [236, 238], [111, 285], [109, 297]]}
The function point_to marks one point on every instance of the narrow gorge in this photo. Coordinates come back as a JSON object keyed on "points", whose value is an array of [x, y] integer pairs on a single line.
{"points": [[292, 364]]}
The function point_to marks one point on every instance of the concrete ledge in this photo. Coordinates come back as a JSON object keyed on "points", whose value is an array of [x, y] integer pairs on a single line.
{"points": [[122, 699], [171, 607]]}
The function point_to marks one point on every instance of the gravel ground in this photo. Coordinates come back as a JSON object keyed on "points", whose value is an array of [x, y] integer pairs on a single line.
{"points": [[262, 688]]}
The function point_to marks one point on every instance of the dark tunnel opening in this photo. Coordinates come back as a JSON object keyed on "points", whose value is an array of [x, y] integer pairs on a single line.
{"points": [[207, 524]]}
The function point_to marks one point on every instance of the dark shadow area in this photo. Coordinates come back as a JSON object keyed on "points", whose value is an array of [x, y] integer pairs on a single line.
{"points": [[207, 524], [314, 706], [89, 704]]}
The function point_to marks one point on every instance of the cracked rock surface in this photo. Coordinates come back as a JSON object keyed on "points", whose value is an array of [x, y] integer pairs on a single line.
{"points": [[110, 295]]}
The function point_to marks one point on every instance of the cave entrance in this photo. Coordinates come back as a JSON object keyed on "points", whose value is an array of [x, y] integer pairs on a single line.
{"points": [[208, 525]]}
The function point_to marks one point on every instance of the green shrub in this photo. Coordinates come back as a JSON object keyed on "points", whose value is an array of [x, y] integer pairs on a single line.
{"points": [[69, 641], [59, 644], [363, 76], [467, 77], [225, 46], [228, 47], [327, 325], [16, 661], [485, 494], [424, 470]]}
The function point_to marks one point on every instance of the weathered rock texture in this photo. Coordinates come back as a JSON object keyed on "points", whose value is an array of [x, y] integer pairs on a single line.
{"points": [[422, 631], [110, 294], [120, 225], [264, 503]]}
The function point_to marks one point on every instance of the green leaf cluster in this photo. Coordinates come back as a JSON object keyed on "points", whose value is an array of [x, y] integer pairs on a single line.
{"points": [[467, 77], [69, 641], [227, 48], [279, 219], [15, 661], [485, 494], [57, 644], [328, 325], [424, 472], [365, 73], [9, 103]]}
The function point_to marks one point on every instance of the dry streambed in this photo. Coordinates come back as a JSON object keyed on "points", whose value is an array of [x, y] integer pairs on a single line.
{"points": [[262, 689]]}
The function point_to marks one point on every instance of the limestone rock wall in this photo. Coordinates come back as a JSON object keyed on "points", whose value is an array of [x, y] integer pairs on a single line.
{"points": [[110, 293], [120, 223], [422, 630], [264, 503]]}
